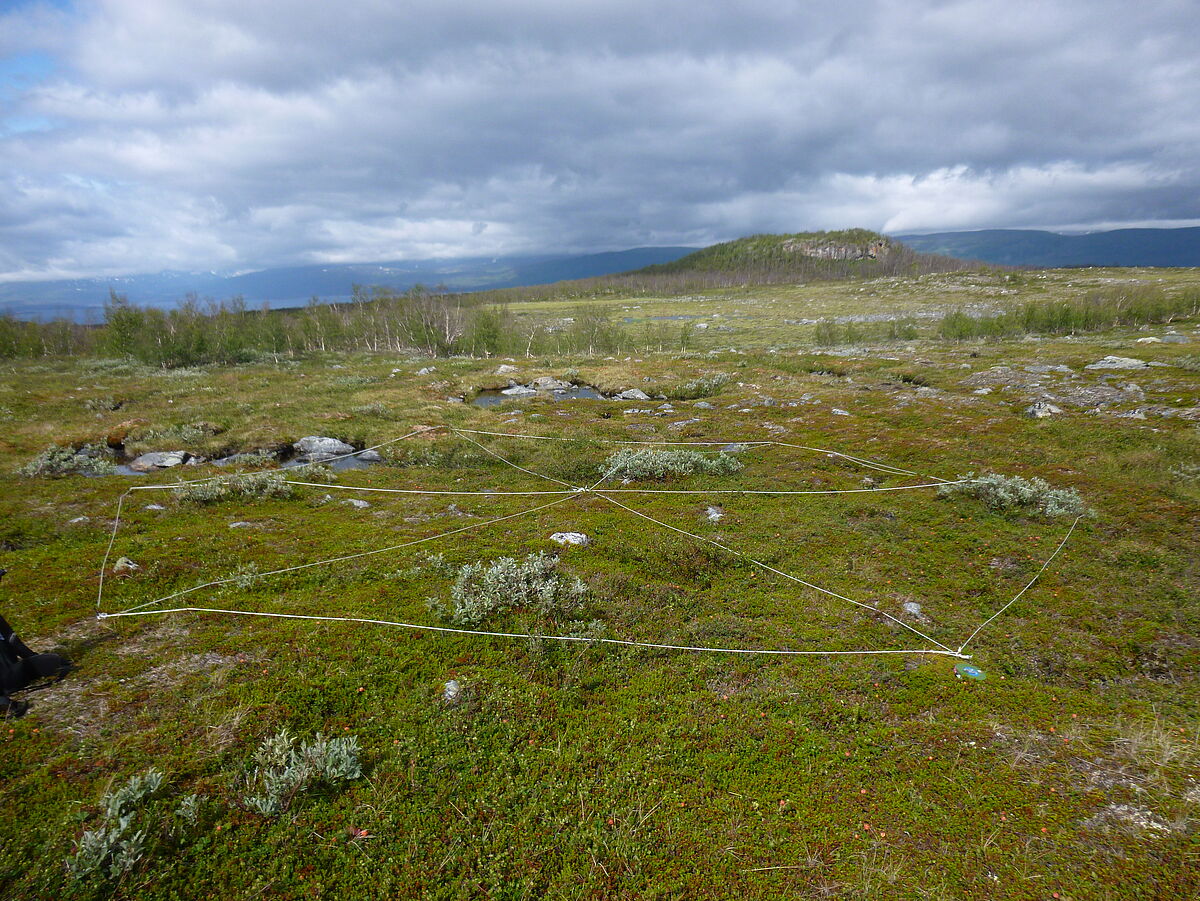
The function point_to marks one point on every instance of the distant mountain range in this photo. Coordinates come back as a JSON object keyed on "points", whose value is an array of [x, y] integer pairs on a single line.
{"points": [[1016, 247], [83, 299]]}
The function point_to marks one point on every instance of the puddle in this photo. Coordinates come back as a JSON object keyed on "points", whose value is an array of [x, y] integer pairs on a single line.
{"points": [[493, 397]]}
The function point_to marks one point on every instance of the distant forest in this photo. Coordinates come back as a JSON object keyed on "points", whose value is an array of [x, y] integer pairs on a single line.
{"points": [[439, 323]]}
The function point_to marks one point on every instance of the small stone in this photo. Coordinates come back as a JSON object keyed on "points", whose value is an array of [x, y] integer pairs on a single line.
{"points": [[370, 456], [702, 405], [1149, 340], [549, 383], [714, 514], [1041, 410], [155, 507], [356, 503], [577, 539], [836, 412], [505, 369], [683, 424], [241, 524], [78, 519], [519, 391], [456, 400], [452, 692], [427, 370], [632, 394], [125, 565], [982, 391], [912, 608]]}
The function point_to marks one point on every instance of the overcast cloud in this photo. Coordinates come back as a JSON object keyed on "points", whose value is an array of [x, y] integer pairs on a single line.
{"points": [[139, 135]]}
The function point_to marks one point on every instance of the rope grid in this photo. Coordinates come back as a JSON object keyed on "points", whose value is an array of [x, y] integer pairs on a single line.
{"points": [[562, 495]]}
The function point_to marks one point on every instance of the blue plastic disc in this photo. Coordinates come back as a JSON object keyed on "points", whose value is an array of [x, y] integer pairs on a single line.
{"points": [[966, 671]]}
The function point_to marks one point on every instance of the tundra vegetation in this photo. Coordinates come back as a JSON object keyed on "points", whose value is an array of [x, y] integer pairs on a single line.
{"points": [[198, 754]]}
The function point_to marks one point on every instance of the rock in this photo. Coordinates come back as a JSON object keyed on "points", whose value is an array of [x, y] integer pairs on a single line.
{"points": [[159, 460], [573, 538], [702, 405], [714, 514], [1111, 362], [427, 370], [77, 520], [452, 692], [982, 391], [1175, 339], [683, 424], [1149, 340], [549, 383], [241, 524], [154, 507], [1041, 410], [912, 608], [505, 369], [356, 503], [456, 400], [735, 448], [125, 565], [519, 391], [370, 456], [632, 394], [315, 448], [836, 412]]}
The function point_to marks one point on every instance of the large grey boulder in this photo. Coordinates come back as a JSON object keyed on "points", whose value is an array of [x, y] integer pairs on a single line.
{"points": [[633, 394], [316, 448], [159, 460], [576, 538], [1111, 362], [519, 391]]}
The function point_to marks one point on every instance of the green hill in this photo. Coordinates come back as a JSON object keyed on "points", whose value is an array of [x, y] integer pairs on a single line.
{"points": [[819, 254]]}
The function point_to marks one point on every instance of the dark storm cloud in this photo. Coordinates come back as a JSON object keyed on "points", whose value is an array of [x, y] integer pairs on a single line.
{"points": [[221, 134]]}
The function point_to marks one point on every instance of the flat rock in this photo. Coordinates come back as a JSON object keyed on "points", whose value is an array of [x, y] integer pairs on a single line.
{"points": [[159, 460], [683, 424], [836, 412], [315, 448], [519, 391], [370, 456], [571, 538], [427, 370], [452, 692], [1175, 339], [1112, 362], [505, 369], [633, 394], [714, 514], [356, 503]]}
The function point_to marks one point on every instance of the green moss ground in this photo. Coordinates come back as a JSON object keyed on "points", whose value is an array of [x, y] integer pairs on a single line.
{"points": [[599, 772]]}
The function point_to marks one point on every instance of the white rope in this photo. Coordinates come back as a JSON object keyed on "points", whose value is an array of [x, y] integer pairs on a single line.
{"points": [[343, 559], [778, 572], [575, 491], [1036, 576], [576, 638]]}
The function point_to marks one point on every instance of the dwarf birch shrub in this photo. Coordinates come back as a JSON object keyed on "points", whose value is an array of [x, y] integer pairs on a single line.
{"points": [[1014, 494], [649, 463], [484, 589]]}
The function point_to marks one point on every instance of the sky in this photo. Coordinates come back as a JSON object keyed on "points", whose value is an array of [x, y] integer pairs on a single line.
{"points": [[233, 135]]}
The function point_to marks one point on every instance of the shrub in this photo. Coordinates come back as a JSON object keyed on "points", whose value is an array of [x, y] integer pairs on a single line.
{"points": [[648, 463], [1015, 494], [481, 590], [281, 771], [61, 461], [705, 386], [113, 848], [240, 486]]}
